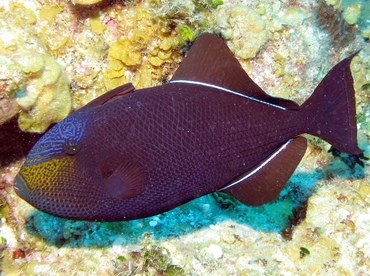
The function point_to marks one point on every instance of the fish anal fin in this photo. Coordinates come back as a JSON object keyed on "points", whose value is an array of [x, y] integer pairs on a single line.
{"points": [[122, 178], [111, 95], [264, 183], [210, 61]]}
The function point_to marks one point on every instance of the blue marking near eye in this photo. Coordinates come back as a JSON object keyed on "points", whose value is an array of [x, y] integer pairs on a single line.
{"points": [[41, 154], [50, 146]]}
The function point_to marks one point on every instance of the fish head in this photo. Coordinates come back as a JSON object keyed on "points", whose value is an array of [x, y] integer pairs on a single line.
{"points": [[71, 172], [51, 176]]}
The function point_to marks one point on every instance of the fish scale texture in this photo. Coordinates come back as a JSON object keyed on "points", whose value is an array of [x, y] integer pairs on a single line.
{"points": [[183, 141]]}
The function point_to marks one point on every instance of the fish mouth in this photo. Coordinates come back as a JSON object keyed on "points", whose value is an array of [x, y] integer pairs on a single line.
{"points": [[42, 188], [20, 187]]}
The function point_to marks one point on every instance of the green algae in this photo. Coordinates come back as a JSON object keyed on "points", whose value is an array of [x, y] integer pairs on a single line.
{"points": [[185, 33], [159, 258], [208, 3]]}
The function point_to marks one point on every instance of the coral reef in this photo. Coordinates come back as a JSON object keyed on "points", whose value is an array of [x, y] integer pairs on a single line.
{"points": [[357, 12], [30, 75], [119, 44], [354, 12], [86, 2], [330, 21], [46, 95], [245, 29], [56, 57]]}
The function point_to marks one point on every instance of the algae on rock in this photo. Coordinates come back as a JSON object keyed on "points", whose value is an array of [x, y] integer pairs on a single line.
{"points": [[45, 99], [247, 30], [32, 77], [98, 53], [85, 2], [354, 12]]}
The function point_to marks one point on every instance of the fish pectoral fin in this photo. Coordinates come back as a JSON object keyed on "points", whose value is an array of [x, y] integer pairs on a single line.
{"points": [[124, 179], [264, 183], [111, 95]]}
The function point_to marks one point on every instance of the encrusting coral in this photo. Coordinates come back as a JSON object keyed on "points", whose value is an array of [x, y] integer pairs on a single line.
{"points": [[85, 2], [32, 77], [247, 30], [138, 42], [45, 98]]}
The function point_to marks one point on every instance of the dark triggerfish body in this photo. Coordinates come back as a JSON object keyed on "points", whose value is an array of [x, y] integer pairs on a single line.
{"points": [[211, 128]]}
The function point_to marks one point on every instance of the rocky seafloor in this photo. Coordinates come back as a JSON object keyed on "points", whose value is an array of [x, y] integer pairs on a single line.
{"points": [[55, 56]]}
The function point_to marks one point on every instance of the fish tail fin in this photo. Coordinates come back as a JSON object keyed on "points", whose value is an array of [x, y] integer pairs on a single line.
{"points": [[331, 109]]}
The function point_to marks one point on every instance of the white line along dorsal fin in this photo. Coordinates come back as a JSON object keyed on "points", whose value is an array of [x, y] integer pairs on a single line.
{"points": [[211, 63], [227, 90]]}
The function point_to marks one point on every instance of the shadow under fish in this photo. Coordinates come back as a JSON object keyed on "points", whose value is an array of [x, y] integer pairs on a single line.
{"points": [[132, 154]]}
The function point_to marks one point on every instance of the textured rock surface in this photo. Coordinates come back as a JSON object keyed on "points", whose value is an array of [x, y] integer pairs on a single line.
{"points": [[213, 235]]}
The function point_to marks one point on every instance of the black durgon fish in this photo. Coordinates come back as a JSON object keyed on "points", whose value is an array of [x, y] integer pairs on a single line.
{"points": [[131, 154]]}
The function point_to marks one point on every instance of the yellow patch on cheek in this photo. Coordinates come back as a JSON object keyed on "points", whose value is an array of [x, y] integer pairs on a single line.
{"points": [[41, 176]]}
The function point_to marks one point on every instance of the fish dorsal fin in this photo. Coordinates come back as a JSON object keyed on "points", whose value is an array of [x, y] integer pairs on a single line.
{"points": [[264, 183], [210, 61], [110, 95], [122, 178]]}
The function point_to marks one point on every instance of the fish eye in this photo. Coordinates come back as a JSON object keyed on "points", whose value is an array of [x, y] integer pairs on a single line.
{"points": [[71, 149]]}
